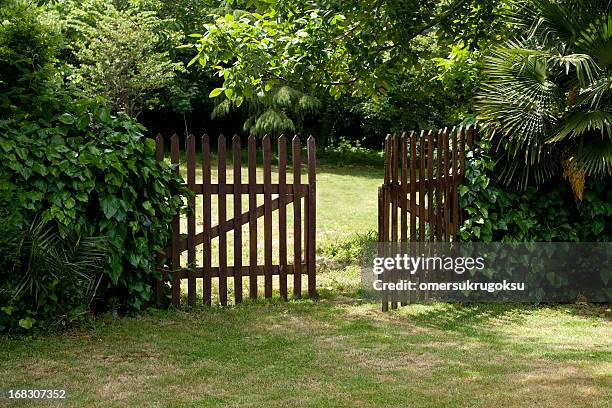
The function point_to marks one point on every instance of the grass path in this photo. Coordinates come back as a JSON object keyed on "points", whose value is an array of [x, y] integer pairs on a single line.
{"points": [[335, 353]]}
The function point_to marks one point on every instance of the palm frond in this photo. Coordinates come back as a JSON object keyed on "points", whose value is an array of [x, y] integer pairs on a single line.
{"points": [[595, 92], [552, 20], [595, 156], [50, 260], [596, 40], [580, 122]]}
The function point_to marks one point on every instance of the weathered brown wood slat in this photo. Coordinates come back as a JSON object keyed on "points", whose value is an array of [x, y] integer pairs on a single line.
{"points": [[267, 174], [455, 188], [413, 187], [252, 147], [160, 284], [246, 188], [206, 220], [237, 222], [382, 235], [282, 215], [439, 188], [387, 198], [394, 195], [222, 207], [297, 218], [430, 194], [386, 211], [394, 181], [447, 186], [191, 221], [404, 187], [176, 227], [311, 260], [422, 207], [403, 199], [461, 150]]}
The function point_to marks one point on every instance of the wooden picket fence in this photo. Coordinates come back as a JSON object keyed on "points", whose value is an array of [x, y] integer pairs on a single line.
{"points": [[419, 200], [287, 192]]}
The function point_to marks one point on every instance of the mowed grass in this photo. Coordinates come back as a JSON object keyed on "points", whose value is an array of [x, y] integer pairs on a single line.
{"points": [[339, 351], [336, 352]]}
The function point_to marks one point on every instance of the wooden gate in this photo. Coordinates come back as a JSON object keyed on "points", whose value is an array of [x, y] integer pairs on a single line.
{"points": [[419, 200], [286, 192]]}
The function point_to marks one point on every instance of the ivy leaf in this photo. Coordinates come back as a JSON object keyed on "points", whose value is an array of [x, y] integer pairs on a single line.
{"points": [[27, 323], [110, 206], [66, 119]]}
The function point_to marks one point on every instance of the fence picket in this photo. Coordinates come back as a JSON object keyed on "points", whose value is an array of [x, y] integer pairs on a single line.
{"points": [[252, 217], [404, 189], [297, 218], [447, 185], [222, 207], [422, 180], [439, 188], [394, 180], [176, 229], [413, 190], [191, 221], [431, 178], [282, 215], [206, 219], [267, 168], [237, 220], [311, 217], [454, 181]]}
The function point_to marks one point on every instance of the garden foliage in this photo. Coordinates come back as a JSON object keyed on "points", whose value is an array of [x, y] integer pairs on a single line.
{"points": [[85, 174], [495, 213], [547, 94]]}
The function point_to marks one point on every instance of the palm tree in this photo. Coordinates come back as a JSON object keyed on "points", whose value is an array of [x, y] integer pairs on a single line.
{"points": [[547, 99]]}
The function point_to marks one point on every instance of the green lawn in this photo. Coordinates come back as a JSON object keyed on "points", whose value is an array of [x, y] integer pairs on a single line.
{"points": [[338, 351]]}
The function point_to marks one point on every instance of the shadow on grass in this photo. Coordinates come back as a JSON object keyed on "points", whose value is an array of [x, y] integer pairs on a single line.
{"points": [[332, 352]]}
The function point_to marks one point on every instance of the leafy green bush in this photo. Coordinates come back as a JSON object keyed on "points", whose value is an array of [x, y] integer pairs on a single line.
{"points": [[66, 159], [87, 170], [496, 213], [551, 214], [346, 152]]}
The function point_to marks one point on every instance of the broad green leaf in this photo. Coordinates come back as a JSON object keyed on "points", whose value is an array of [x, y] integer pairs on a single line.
{"points": [[215, 92]]}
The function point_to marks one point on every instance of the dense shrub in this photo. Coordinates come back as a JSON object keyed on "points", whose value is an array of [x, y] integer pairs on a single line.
{"points": [[496, 213], [551, 214], [66, 161], [92, 172]]}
